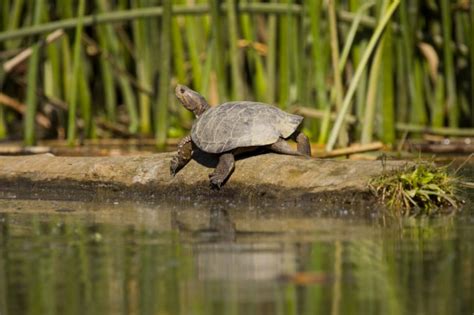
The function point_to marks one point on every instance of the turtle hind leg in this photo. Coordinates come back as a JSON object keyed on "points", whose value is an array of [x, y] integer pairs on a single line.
{"points": [[281, 146], [302, 143], [223, 170]]}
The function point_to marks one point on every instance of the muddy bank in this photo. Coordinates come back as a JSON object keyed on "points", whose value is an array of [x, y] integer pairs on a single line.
{"points": [[263, 179]]}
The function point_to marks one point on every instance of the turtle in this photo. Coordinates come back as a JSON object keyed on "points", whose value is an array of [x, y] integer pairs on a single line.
{"points": [[232, 128]]}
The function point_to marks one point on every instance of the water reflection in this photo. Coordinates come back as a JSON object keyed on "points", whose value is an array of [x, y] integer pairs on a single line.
{"points": [[243, 272], [139, 259]]}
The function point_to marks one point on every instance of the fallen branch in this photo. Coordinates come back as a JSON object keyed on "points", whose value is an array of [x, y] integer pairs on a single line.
{"points": [[25, 54], [115, 128], [455, 132], [459, 147], [12, 103], [467, 184], [358, 148], [21, 150]]}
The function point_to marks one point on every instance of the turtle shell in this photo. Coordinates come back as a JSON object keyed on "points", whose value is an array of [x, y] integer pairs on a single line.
{"points": [[242, 124]]}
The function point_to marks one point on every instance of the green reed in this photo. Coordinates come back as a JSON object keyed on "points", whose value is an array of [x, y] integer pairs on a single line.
{"points": [[237, 88], [161, 112], [256, 60], [337, 89], [446, 24], [178, 50], [402, 67], [319, 55], [387, 90], [218, 63], [358, 74], [144, 68], [271, 58], [284, 52], [32, 79], [76, 72]]}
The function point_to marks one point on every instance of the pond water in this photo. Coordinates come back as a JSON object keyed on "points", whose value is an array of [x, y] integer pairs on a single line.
{"points": [[136, 258]]}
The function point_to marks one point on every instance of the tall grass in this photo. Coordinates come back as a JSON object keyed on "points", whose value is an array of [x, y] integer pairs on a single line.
{"points": [[161, 112], [389, 65], [74, 83], [32, 77]]}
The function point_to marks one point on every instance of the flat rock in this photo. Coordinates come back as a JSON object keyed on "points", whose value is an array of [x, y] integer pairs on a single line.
{"points": [[265, 179]]}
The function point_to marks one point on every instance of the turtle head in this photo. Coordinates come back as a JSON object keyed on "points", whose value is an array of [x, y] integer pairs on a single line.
{"points": [[192, 100]]}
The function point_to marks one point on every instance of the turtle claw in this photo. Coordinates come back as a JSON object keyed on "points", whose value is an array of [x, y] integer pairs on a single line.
{"points": [[174, 166], [216, 181], [215, 187]]}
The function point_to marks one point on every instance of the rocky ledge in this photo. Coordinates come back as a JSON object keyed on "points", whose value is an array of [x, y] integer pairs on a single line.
{"points": [[265, 179]]}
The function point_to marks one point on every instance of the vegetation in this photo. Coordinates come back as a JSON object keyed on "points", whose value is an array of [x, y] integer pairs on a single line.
{"points": [[417, 189], [389, 63]]}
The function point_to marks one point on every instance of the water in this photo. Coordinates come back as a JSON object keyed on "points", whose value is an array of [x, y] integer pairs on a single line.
{"points": [[130, 258]]}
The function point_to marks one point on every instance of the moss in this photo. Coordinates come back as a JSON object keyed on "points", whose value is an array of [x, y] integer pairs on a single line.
{"points": [[417, 189]]}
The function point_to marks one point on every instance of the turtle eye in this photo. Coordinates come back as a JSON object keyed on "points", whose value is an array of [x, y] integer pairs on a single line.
{"points": [[181, 90]]}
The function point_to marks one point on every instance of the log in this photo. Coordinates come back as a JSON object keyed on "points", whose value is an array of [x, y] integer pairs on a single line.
{"points": [[265, 179]]}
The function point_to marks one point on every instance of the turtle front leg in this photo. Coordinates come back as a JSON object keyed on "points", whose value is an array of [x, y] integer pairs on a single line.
{"points": [[185, 151], [223, 170]]}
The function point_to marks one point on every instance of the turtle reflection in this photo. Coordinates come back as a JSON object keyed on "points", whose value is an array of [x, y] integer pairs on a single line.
{"points": [[231, 267]]}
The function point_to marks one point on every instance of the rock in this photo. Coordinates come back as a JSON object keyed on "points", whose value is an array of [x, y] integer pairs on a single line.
{"points": [[265, 179]]}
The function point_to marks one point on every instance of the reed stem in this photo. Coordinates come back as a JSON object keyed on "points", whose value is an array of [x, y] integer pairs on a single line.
{"points": [[13, 20], [259, 81], [219, 47], [284, 60], [472, 61], [193, 50], [110, 95], [271, 58], [418, 111], [33, 72], [142, 52], [388, 100], [363, 63], [372, 90], [352, 33], [451, 101], [408, 59], [235, 62], [3, 125], [178, 50], [357, 52], [337, 88], [319, 57], [161, 117], [72, 97], [149, 12]]}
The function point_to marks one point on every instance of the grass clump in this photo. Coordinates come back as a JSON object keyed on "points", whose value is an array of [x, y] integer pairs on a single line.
{"points": [[419, 189]]}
